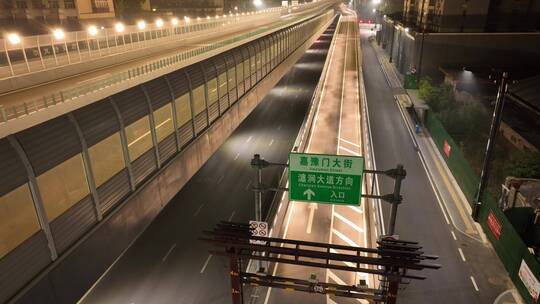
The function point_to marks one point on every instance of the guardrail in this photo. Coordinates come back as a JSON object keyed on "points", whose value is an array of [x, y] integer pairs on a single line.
{"points": [[23, 55], [29, 107]]}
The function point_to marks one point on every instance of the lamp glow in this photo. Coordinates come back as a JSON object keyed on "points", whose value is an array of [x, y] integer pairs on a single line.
{"points": [[59, 34], [14, 38], [119, 27]]}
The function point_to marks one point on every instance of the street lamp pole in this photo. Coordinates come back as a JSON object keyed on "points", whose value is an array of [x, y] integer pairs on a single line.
{"points": [[488, 156]]}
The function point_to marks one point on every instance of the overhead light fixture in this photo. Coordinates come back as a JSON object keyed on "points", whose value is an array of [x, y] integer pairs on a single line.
{"points": [[119, 27], [141, 24], [14, 38]]}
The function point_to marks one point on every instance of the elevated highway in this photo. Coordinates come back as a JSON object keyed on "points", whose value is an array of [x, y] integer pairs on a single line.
{"points": [[84, 177]]}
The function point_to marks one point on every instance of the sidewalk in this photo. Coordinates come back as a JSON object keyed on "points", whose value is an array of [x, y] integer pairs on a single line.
{"points": [[482, 259]]}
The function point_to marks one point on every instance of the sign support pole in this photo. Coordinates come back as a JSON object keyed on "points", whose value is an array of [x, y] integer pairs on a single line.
{"points": [[398, 175]]}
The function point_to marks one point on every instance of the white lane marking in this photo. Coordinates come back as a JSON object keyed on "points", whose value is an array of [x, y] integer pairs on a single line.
{"points": [[312, 207], [198, 210], [220, 179], [348, 222], [461, 254], [474, 283], [237, 155], [271, 142], [356, 209], [453, 235], [248, 184], [344, 238], [206, 263], [349, 151], [230, 217], [350, 142], [168, 252], [342, 90], [249, 139]]}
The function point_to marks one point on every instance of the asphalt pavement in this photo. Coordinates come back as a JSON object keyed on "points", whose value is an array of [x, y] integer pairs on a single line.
{"points": [[167, 264], [419, 218]]}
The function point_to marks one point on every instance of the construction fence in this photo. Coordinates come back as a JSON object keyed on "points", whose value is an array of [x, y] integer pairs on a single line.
{"points": [[522, 266]]}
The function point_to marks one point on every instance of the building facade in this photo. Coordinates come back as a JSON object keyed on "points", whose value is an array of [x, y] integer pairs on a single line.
{"points": [[472, 15], [30, 15]]}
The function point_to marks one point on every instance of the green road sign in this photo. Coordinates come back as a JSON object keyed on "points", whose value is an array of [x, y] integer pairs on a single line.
{"points": [[330, 179]]}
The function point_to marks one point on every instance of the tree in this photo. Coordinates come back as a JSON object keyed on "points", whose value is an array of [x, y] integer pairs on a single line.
{"points": [[525, 165]]}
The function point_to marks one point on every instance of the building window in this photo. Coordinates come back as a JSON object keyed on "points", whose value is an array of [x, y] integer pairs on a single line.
{"points": [[18, 220], [100, 6], [53, 4], [139, 138], [106, 158], [63, 186], [21, 4], [69, 4]]}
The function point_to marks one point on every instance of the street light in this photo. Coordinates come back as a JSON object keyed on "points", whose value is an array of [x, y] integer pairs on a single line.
{"points": [[92, 30], [59, 34], [376, 2], [119, 27], [187, 19], [257, 3], [141, 25], [159, 22], [14, 38]]}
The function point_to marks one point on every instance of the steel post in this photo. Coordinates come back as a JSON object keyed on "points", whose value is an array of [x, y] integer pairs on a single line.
{"points": [[399, 176], [488, 156]]}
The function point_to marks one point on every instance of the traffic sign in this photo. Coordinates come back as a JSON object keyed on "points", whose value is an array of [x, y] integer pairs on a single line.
{"points": [[330, 179], [258, 229]]}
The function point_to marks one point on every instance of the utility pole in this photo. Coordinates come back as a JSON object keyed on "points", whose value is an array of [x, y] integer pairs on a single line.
{"points": [[488, 156]]}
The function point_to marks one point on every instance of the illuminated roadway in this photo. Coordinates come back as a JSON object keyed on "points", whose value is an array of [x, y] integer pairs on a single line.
{"points": [[167, 264]]}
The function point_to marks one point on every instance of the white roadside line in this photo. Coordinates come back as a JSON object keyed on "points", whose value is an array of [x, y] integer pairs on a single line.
{"points": [[168, 252], [232, 215], [474, 283]]}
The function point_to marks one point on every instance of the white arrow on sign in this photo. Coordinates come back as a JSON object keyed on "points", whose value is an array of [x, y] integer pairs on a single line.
{"points": [[312, 207], [309, 193]]}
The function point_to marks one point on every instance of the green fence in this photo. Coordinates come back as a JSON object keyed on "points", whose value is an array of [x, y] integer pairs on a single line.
{"points": [[507, 243]]}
